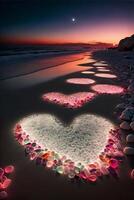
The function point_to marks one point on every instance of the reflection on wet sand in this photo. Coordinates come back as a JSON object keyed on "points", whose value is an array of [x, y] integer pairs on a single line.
{"points": [[44, 75]]}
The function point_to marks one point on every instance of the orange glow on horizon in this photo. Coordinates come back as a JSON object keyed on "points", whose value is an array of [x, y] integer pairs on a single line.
{"points": [[106, 33], [43, 41]]}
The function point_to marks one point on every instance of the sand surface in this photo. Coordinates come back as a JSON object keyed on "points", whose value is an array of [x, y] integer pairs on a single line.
{"points": [[32, 182]]}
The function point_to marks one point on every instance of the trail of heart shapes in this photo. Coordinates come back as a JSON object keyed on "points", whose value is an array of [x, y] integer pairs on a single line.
{"points": [[77, 100]]}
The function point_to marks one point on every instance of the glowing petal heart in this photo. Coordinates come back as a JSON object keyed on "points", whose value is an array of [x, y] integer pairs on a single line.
{"points": [[70, 101], [103, 70], [100, 64], [82, 81], [107, 89], [100, 68], [82, 141], [105, 75], [86, 144]]}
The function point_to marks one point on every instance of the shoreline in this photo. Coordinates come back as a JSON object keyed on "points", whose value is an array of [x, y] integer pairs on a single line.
{"points": [[47, 61], [46, 74]]}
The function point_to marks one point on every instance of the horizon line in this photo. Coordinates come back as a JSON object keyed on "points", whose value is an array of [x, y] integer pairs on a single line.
{"points": [[56, 43]]}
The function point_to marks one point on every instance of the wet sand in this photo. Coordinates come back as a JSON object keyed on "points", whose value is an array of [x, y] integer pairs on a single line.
{"points": [[35, 182], [15, 67]]}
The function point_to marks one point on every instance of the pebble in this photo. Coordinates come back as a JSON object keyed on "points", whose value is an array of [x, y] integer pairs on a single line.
{"points": [[132, 174], [121, 106], [71, 175], [131, 87], [125, 125], [6, 183], [124, 116], [130, 138], [132, 119], [114, 163], [49, 163], [132, 125], [9, 169], [3, 195], [1, 172], [82, 175], [60, 170], [127, 114], [92, 178], [129, 151]]}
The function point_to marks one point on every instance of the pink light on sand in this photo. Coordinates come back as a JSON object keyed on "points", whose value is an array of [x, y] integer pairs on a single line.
{"points": [[107, 89], [76, 100], [100, 64], [88, 72], [105, 75], [103, 70], [82, 81]]}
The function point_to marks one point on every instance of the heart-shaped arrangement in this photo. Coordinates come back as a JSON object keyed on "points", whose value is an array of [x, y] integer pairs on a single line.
{"points": [[107, 89], [82, 149], [105, 75], [103, 70], [75, 100], [81, 81], [100, 64]]}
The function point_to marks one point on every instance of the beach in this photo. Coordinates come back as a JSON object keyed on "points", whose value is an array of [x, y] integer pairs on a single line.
{"points": [[21, 96]]}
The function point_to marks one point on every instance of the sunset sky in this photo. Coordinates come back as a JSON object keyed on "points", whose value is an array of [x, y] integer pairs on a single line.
{"points": [[61, 21]]}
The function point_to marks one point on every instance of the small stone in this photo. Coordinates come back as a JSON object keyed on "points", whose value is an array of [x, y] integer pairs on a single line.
{"points": [[114, 163], [87, 172], [6, 183], [80, 166], [132, 125], [59, 170], [33, 156], [82, 175], [132, 174], [130, 138], [45, 156], [129, 151], [125, 125], [131, 87], [71, 175], [49, 164], [92, 178], [3, 195], [121, 106], [1, 172], [9, 169], [77, 170], [127, 114]]}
